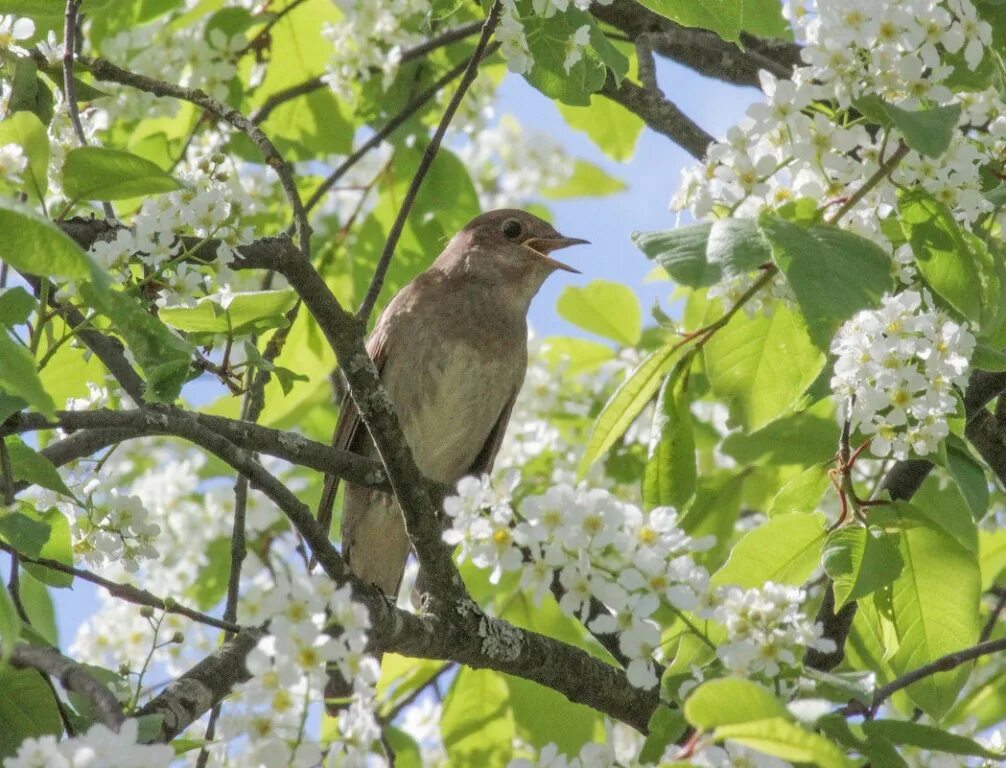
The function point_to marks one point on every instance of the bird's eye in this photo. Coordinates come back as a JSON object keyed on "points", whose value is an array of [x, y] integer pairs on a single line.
{"points": [[512, 228]]}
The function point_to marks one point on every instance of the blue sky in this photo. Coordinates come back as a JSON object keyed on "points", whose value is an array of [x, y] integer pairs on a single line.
{"points": [[651, 176]]}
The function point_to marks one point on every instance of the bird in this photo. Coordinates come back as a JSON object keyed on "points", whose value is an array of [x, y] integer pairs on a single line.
{"points": [[451, 351]]}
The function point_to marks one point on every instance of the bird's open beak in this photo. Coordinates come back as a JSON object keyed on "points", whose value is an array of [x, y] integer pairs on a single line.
{"points": [[545, 245]]}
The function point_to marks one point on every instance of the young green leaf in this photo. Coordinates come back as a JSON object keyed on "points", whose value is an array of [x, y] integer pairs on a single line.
{"points": [[608, 309], [942, 253], [666, 726], [10, 623], [32, 467], [731, 700], [670, 475], [18, 376], [762, 365], [97, 173], [245, 313], [801, 494], [28, 132], [16, 305], [785, 550], [784, 739], [859, 562], [924, 737], [27, 709], [970, 477], [624, 405], [927, 131], [935, 610], [57, 546], [477, 726], [833, 273], [33, 245]]}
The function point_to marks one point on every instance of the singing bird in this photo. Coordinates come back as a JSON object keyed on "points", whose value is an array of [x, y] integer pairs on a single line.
{"points": [[451, 349]]}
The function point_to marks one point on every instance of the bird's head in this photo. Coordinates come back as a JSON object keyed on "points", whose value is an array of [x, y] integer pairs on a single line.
{"points": [[508, 247]]}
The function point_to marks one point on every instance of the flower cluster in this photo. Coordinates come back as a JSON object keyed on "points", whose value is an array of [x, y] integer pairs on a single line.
{"points": [[896, 370], [288, 670], [902, 52], [100, 746], [119, 529], [766, 629], [600, 548], [511, 33], [370, 40]]}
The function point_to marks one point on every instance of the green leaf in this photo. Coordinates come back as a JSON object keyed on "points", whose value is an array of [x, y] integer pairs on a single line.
{"points": [[842, 686], [47, 8], [666, 726], [942, 253], [724, 17], [16, 305], [624, 405], [24, 531], [608, 309], [731, 700], [587, 180], [404, 747], [801, 494], [704, 254], [781, 738], [18, 376], [161, 354], [924, 737], [988, 359], [833, 273], [10, 624], [57, 546], [969, 475], [27, 709], [32, 467], [29, 93], [38, 605], [97, 173], [34, 245], [936, 603], [762, 366], [613, 128], [927, 131], [860, 561], [546, 40], [476, 725], [210, 584], [28, 132], [248, 312], [670, 476], [784, 550]]}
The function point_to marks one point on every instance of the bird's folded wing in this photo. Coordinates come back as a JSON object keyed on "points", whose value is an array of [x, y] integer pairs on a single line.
{"points": [[348, 434]]}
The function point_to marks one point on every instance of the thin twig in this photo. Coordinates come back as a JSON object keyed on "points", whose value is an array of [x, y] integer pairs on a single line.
{"points": [[313, 84], [993, 619], [886, 166], [105, 70], [942, 664], [70, 87], [126, 592], [471, 71], [414, 105]]}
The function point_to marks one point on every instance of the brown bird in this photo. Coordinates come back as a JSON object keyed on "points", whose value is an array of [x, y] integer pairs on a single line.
{"points": [[451, 349]]}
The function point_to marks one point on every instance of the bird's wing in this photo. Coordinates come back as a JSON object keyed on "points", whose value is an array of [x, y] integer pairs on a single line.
{"points": [[348, 434], [487, 456]]}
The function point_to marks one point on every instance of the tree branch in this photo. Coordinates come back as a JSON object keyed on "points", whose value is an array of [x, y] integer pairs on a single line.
{"points": [[126, 592], [661, 114], [73, 677]]}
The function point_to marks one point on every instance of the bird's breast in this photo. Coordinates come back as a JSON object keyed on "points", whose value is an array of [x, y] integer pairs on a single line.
{"points": [[449, 395]]}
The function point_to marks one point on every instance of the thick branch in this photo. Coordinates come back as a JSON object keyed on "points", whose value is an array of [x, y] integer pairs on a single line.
{"points": [[661, 114], [703, 51], [206, 684], [167, 420], [73, 677]]}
